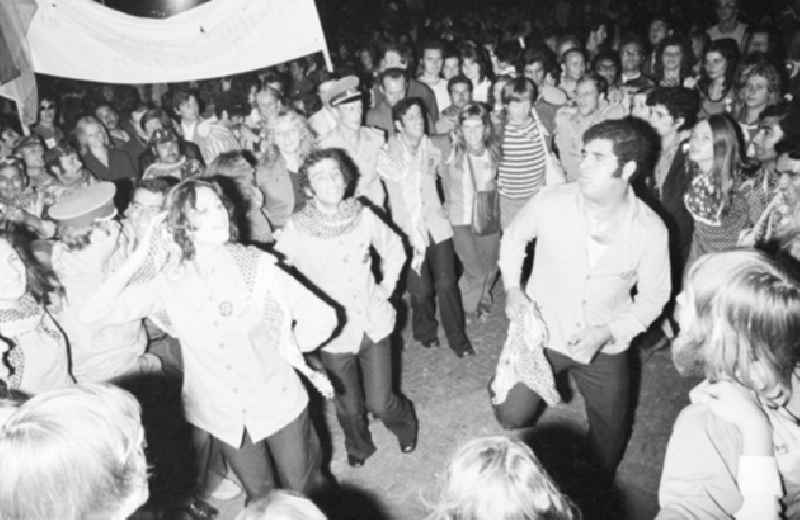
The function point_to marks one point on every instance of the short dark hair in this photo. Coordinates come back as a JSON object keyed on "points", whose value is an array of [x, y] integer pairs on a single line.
{"points": [[393, 73], [599, 81], [451, 52], [402, 50], [158, 185], [633, 140], [574, 50], [402, 106], [632, 39], [180, 96], [458, 79], [346, 165], [679, 102], [508, 52], [432, 44], [515, 89], [154, 113]]}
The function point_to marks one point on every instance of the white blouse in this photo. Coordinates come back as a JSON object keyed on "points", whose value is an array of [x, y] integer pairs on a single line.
{"points": [[234, 325], [340, 265]]}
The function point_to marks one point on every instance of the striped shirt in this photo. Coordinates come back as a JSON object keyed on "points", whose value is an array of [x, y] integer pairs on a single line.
{"points": [[523, 161]]}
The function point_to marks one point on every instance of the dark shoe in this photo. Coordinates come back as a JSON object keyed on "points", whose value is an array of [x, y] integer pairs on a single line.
{"points": [[409, 447], [466, 352], [430, 343], [199, 509], [354, 461]]}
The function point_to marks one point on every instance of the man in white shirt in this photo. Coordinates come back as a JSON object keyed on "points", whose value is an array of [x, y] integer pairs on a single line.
{"points": [[432, 60], [409, 164], [595, 241]]}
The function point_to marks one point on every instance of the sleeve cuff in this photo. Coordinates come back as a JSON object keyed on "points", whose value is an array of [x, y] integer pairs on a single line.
{"points": [[759, 475]]}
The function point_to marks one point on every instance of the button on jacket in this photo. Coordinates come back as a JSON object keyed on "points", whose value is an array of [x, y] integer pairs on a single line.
{"points": [[345, 274], [232, 330]]}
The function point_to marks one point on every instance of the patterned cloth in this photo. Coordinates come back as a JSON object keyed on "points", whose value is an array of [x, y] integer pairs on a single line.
{"points": [[522, 359]]}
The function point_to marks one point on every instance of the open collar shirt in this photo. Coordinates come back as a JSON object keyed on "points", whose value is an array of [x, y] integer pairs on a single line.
{"points": [[579, 282]]}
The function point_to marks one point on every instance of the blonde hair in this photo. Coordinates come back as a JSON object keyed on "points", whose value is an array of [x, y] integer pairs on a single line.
{"points": [[282, 505], [496, 478], [73, 454], [80, 131], [745, 322], [305, 133]]}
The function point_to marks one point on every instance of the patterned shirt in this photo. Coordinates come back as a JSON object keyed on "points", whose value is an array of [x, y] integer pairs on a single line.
{"points": [[523, 161]]}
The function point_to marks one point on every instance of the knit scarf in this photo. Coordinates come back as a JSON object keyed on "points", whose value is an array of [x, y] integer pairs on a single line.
{"points": [[325, 225]]}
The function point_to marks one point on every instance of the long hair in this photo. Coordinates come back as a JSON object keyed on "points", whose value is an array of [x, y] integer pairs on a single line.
{"points": [[745, 323], [489, 140], [307, 138], [41, 282], [80, 132], [687, 60], [73, 454], [182, 199], [496, 478], [728, 152], [730, 52]]}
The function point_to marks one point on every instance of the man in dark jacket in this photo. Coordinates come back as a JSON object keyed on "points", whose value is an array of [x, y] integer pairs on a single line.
{"points": [[673, 114]]}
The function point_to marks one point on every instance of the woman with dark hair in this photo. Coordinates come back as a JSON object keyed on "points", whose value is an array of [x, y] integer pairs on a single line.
{"points": [[46, 126], [33, 350], [714, 198], [336, 227], [475, 66], [234, 311], [717, 78], [674, 64]]}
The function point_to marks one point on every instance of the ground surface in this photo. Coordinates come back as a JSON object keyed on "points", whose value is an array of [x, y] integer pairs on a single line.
{"points": [[453, 406]]}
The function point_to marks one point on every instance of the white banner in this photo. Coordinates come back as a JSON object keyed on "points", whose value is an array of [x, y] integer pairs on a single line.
{"points": [[85, 40]]}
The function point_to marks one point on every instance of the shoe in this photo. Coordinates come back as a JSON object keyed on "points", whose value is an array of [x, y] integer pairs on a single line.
{"points": [[227, 489], [409, 447], [430, 343], [355, 462], [467, 352], [199, 509]]}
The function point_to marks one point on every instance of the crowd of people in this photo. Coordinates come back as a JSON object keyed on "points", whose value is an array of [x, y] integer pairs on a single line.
{"points": [[254, 236]]}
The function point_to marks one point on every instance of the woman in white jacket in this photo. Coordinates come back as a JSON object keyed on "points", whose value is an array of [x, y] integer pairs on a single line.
{"points": [[242, 322]]}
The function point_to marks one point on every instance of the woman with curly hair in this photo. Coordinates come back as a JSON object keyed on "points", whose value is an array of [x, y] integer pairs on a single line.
{"points": [[289, 141], [717, 78], [496, 478], [233, 308], [33, 350], [336, 227], [760, 87]]}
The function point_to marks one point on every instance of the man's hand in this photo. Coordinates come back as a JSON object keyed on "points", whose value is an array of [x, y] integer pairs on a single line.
{"points": [[516, 300], [585, 344]]}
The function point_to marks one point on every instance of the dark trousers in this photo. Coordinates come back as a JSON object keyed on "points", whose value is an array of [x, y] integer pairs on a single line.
{"points": [[605, 386], [437, 277], [375, 395], [478, 255], [295, 450]]}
